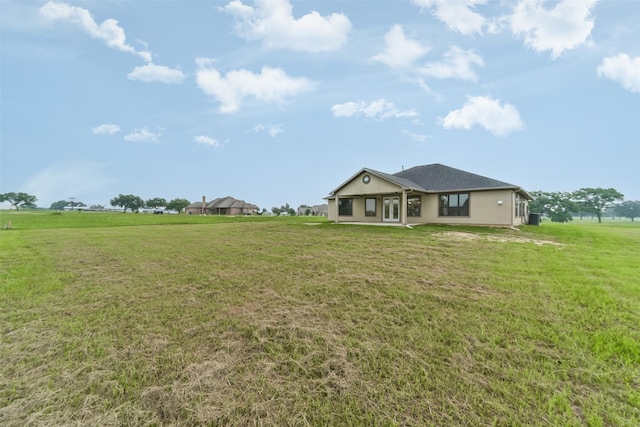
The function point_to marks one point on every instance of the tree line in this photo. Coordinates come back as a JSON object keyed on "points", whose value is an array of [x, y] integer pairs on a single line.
{"points": [[558, 206], [124, 201], [562, 206], [135, 203]]}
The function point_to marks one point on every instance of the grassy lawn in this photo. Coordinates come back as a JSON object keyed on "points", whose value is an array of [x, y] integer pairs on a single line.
{"points": [[123, 319]]}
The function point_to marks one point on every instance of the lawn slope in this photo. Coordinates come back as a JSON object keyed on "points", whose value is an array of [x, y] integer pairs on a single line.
{"points": [[281, 322]]}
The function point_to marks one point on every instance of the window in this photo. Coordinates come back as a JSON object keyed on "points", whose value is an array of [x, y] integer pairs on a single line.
{"points": [[413, 206], [520, 205], [345, 207], [454, 204], [370, 207]]}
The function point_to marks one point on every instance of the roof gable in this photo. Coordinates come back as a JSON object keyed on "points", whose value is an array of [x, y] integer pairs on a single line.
{"points": [[395, 180]]}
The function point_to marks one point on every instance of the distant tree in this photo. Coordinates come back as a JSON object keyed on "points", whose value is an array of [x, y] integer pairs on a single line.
{"points": [[157, 202], [284, 209], [556, 205], [19, 200], [127, 201], [596, 200], [178, 205], [59, 205], [289, 209], [628, 209]]}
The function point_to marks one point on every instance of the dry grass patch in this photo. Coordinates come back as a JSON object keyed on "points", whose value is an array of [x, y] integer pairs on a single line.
{"points": [[464, 236]]}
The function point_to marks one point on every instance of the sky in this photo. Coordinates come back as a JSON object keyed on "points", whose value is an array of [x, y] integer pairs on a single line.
{"points": [[280, 101]]}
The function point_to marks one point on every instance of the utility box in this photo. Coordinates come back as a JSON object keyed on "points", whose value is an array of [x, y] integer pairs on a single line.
{"points": [[534, 219]]}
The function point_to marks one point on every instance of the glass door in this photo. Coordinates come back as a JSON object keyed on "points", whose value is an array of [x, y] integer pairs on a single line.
{"points": [[391, 209]]}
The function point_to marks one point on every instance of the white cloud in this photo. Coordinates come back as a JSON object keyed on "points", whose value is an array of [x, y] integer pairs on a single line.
{"points": [[380, 109], [60, 181], [487, 113], [144, 135], [457, 14], [205, 140], [271, 85], [415, 136], [271, 130], [109, 31], [400, 52], [622, 69], [272, 22], [156, 73], [565, 26], [106, 129], [456, 64]]}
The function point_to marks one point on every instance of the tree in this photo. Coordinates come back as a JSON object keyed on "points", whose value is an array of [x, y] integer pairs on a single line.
{"points": [[596, 200], [178, 205], [157, 202], [127, 201], [19, 200], [628, 209], [59, 205], [556, 205], [285, 209]]}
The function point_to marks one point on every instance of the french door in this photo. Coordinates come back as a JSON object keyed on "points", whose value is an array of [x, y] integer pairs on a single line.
{"points": [[391, 209]]}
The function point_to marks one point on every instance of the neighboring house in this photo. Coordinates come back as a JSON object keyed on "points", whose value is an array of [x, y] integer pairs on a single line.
{"points": [[222, 206], [430, 194], [315, 210]]}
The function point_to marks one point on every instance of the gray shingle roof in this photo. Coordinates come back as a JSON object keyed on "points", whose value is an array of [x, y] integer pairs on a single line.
{"points": [[441, 178]]}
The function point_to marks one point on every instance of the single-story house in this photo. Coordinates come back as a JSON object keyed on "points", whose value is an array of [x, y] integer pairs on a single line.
{"points": [[222, 206], [429, 194], [315, 210]]}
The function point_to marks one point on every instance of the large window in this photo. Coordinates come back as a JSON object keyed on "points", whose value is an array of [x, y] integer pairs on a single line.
{"points": [[370, 206], [345, 207], [413, 206], [454, 204]]}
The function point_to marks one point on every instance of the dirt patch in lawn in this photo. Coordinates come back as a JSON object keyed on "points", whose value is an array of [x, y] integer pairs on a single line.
{"points": [[459, 235]]}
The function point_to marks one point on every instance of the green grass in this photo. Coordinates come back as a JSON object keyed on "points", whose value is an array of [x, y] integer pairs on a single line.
{"points": [[113, 319]]}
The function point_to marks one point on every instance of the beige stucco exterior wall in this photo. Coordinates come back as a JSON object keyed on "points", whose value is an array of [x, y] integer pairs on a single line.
{"points": [[483, 209], [358, 190], [376, 186], [358, 210]]}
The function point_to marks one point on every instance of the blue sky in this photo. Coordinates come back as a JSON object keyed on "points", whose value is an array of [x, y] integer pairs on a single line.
{"points": [[280, 101]]}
